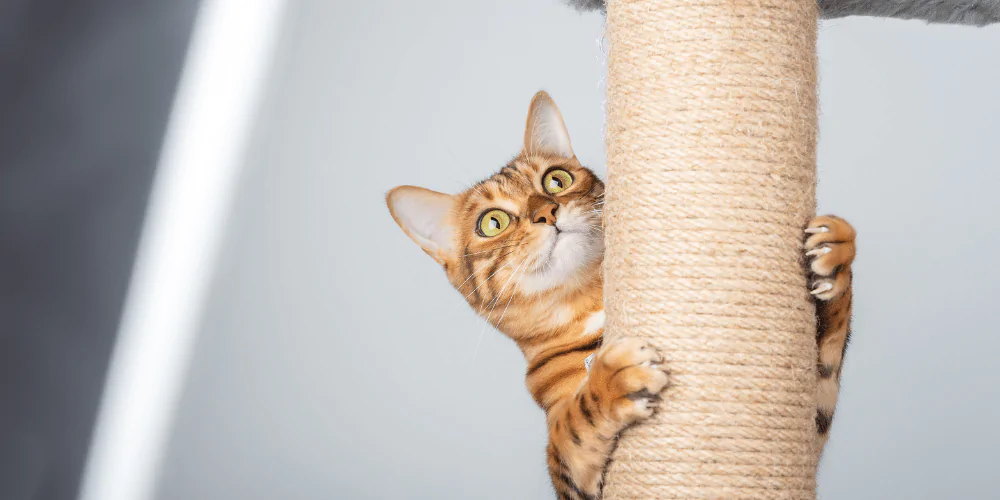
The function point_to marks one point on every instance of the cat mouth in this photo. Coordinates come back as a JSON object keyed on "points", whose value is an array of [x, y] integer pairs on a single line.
{"points": [[561, 255], [560, 235]]}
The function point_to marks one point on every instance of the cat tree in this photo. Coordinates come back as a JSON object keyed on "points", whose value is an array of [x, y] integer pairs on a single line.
{"points": [[711, 143]]}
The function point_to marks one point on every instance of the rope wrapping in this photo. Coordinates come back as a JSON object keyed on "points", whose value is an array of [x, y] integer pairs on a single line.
{"points": [[711, 143]]}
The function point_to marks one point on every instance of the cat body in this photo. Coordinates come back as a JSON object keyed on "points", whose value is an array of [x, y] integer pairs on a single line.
{"points": [[525, 248]]}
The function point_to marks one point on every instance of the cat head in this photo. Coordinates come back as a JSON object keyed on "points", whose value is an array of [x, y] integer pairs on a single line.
{"points": [[535, 226]]}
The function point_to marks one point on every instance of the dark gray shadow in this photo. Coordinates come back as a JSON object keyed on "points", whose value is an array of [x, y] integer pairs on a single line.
{"points": [[85, 92]]}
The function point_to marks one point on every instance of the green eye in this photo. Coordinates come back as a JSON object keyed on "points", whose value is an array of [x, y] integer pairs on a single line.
{"points": [[493, 223], [557, 181]]}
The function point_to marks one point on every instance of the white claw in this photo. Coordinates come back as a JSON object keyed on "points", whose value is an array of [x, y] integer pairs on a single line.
{"points": [[819, 251], [822, 287], [820, 229]]}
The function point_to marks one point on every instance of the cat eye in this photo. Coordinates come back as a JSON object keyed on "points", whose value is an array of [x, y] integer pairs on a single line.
{"points": [[557, 181], [493, 223]]}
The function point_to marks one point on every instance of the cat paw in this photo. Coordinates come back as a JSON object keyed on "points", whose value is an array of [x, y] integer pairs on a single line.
{"points": [[829, 252], [627, 377]]}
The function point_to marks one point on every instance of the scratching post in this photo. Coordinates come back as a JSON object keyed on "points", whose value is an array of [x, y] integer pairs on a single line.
{"points": [[711, 140]]}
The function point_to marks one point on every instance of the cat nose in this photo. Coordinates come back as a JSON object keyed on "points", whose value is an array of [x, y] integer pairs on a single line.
{"points": [[546, 214]]}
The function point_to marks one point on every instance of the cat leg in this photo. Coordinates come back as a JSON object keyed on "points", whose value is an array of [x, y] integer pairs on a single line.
{"points": [[623, 387], [829, 254]]}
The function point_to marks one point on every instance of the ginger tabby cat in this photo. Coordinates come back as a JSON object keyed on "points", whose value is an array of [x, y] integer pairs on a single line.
{"points": [[525, 248]]}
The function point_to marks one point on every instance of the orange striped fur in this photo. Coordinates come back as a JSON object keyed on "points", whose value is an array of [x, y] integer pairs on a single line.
{"points": [[534, 272]]}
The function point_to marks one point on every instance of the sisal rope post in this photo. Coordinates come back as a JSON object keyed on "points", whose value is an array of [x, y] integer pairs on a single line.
{"points": [[711, 143]]}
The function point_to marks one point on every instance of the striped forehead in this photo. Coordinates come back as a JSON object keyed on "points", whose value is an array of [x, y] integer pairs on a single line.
{"points": [[512, 181], [517, 177], [508, 188]]}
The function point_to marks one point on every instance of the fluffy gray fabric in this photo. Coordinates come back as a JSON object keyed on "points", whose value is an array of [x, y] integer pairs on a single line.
{"points": [[974, 12]]}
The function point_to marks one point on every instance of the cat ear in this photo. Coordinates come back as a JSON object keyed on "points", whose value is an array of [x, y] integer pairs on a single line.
{"points": [[424, 216], [546, 133]]}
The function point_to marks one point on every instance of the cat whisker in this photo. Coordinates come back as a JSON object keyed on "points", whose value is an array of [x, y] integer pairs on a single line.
{"points": [[488, 278], [480, 268], [495, 301], [513, 293], [491, 250]]}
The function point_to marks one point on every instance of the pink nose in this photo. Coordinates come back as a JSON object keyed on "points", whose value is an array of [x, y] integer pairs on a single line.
{"points": [[546, 214]]}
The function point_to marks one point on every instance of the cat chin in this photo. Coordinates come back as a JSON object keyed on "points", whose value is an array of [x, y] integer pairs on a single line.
{"points": [[568, 258]]}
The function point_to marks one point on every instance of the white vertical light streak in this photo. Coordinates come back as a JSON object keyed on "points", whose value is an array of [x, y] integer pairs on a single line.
{"points": [[220, 88]]}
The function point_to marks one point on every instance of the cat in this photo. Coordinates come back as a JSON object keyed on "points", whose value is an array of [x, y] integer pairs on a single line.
{"points": [[525, 248]]}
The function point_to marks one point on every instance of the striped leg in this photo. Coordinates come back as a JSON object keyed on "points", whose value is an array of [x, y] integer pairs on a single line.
{"points": [[623, 387], [829, 253]]}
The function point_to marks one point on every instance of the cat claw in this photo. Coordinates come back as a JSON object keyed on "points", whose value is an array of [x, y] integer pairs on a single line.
{"points": [[819, 251], [819, 229], [822, 287]]}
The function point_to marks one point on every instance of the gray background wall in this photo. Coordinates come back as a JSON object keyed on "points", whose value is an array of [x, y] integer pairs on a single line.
{"points": [[336, 362]]}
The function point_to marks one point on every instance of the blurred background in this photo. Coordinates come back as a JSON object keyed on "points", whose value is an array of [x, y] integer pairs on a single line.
{"points": [[333, 360]]}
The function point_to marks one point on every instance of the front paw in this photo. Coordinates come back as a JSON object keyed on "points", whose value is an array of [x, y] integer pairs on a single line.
{"points": [[829, 254], [626, 380]]}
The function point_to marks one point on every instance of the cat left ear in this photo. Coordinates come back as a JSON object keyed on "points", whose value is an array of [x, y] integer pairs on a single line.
{"points": [[545, 132], [425, 216]]}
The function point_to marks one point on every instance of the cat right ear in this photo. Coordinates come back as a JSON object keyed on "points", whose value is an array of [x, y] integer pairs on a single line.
{"points": [[425, 216], [545, 132]]}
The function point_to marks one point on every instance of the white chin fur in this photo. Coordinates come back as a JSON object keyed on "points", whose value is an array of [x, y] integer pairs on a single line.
{"points": [[562, 256]]}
